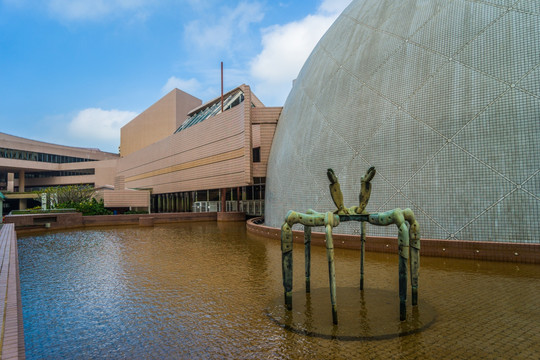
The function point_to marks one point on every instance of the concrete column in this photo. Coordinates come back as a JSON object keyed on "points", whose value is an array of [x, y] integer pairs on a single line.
{"points": [[21, 181], [10, 182], [238, 199], [223, 200], [22, 202]]}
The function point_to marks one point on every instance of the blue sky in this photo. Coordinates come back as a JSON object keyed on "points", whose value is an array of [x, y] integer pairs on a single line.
{"points": [[73, 72]]}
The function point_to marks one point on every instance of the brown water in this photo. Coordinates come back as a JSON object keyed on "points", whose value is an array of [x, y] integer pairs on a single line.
{"points": [[207, 290]]}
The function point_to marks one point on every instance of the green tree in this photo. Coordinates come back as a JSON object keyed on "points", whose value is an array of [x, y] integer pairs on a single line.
{"points": [[69, 193]]}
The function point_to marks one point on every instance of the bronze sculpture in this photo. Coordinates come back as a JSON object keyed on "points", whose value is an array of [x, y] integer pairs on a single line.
{"points": [[408, 241]]}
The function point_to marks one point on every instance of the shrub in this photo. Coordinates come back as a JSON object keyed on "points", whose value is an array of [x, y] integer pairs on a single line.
{"points": [[136, 212], [88, 207]]}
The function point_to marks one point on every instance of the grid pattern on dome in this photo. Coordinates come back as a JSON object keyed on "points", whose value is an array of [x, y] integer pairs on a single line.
{"points": [[442, 97]]}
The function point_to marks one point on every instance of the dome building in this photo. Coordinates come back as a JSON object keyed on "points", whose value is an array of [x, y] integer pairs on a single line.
{"points": [[442, 97]]}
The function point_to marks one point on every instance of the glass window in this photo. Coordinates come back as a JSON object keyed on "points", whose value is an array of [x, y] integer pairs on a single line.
{"points": [[212, 109], [214, 195], [256, 154], [201, 195]]}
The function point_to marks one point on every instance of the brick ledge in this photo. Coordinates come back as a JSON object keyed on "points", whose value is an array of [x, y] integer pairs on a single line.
{"points": [[475, 250]]}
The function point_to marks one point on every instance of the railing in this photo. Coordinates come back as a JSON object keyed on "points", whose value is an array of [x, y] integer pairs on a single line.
{"points": [[250, 207]]}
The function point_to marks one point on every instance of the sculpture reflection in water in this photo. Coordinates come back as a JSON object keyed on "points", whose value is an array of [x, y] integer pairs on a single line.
{"points": [[408, 241]]}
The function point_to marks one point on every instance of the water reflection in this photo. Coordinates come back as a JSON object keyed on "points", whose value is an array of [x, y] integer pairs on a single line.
{"points": [[203, 290]]}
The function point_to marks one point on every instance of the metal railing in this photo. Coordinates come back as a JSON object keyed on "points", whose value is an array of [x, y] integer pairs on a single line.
{"points": [[250, 207]]}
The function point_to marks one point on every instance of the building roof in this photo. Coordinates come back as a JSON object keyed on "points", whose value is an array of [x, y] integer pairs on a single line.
{"points": [[212, 108]]}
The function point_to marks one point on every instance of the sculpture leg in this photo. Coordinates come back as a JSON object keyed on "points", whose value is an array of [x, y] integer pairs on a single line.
{"points": [[362, 252], [403, 244], [331, 271], [414, 239], [287, 263], [415, 266], [307, 246]]}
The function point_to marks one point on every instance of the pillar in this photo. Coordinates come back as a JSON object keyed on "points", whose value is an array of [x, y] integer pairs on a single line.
{"points": [[10, 182], [238, 199], [22, 202], [223, 200], [21, 181]]}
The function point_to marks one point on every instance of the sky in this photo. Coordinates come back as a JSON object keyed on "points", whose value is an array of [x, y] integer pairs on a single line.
{"points": [[73, 72]]}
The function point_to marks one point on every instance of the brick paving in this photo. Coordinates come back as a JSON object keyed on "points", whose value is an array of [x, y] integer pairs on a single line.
{"points": [[12, 338], [485, 310]]}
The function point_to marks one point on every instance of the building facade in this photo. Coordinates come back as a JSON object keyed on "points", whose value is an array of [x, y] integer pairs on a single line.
{"points": [[178, 155], [28, 165], [215, 158]]}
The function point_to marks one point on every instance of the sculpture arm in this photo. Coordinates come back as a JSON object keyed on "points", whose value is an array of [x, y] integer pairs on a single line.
{"points": [[335, 192], [365, 190]]}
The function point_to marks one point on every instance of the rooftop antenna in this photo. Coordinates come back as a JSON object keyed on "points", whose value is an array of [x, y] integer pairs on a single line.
{"points": [[222, 86]]}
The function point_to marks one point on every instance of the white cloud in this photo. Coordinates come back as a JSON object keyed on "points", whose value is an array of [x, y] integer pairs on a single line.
{"points": [[91, 9], [217, 34], [99, 125], [287, 47], [191, 86], [334, 7]]}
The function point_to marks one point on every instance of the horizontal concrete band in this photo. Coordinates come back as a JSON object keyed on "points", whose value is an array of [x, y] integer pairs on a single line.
{"points": [[476, 250], [191, 164]]}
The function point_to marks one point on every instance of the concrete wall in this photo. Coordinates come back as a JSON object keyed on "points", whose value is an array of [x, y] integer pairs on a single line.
{"points": [[126, 198], [265, 120], [157, 122], [215, 153], [208, 155]]}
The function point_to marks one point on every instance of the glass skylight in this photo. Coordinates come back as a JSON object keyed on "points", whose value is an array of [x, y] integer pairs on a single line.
{"points": [[212, 109]]}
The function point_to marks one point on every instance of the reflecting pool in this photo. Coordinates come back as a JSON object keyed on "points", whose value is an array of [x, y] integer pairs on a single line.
{"points": [[207, 290]]}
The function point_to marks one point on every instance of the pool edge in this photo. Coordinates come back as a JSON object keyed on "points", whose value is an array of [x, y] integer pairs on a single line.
{"points": [[527, 253], [12, 334]]}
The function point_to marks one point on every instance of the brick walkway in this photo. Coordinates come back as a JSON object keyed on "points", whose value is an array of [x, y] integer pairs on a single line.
{"points": [[12, 336]]}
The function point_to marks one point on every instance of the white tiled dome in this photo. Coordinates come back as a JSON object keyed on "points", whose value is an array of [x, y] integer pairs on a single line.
{"points": [[442, 97]]}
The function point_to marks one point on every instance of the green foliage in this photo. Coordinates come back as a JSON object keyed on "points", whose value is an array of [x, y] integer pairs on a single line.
{"points": [[136, 212], [39, 211], [88, 207], [69, 193]]}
